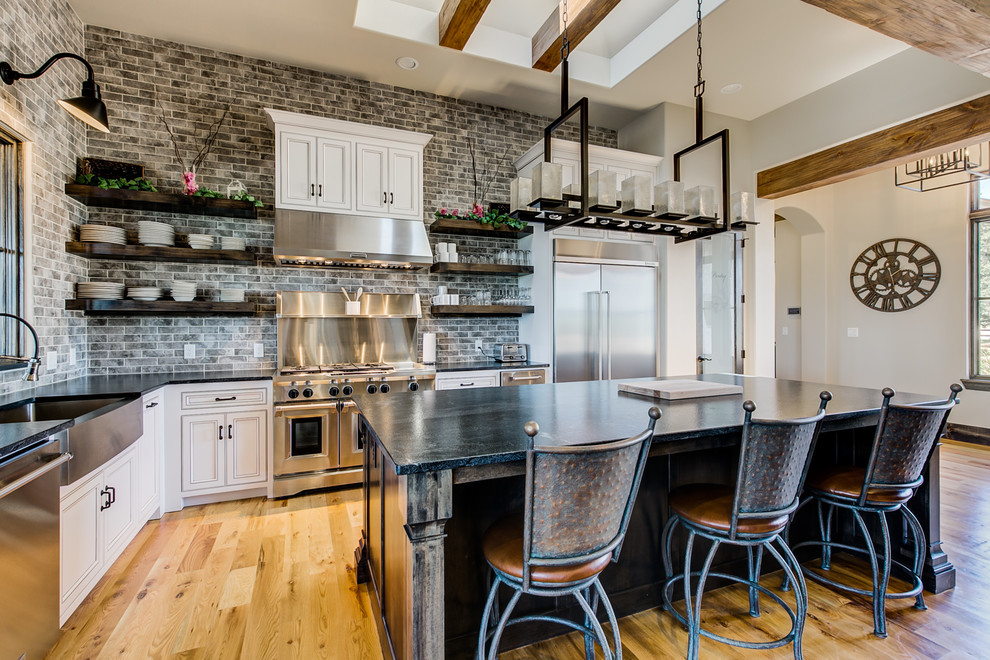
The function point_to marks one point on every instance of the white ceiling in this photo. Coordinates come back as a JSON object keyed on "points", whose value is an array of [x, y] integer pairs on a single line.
{"points": [[639, 56]]}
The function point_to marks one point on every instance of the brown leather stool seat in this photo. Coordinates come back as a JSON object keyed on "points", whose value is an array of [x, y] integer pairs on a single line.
{"points": [[842, 481], [503, 548], [710, 505]]}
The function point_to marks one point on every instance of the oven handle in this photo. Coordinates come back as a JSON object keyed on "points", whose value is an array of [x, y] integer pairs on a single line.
{"points": [[329, 405]]}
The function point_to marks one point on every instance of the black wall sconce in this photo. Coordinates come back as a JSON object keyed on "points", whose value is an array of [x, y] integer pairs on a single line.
{"points": [[88, 107]]}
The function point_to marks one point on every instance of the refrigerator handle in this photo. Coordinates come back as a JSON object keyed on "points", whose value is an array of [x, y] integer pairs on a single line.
{"points": [[607, 316], [600, 375]]}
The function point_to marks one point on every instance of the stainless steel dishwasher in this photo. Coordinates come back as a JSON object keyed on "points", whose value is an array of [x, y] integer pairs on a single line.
{"points": [[29, 552], [523, 377]]}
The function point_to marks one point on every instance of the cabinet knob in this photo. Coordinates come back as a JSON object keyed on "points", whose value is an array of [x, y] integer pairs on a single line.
{"points": [[312, 189]]}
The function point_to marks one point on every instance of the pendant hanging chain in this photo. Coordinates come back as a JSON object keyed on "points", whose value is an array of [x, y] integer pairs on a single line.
{"points": [[565, 43], [699, 89]]}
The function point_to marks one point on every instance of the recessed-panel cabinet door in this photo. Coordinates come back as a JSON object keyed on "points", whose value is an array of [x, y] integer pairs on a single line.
{"points": [[118, 518], [81, 545], [297, 173], [247, 447], [404, 185], [147, 481], [202, 451], [334, 179], [372, 178]]}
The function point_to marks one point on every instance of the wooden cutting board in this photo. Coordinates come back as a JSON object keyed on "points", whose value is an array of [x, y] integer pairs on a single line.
{"points": [[679, 389]]}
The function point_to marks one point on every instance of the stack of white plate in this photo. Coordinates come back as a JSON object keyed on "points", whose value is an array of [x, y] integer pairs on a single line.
{"points": [[92, 233], [157, 234], [100, 290], [200, 241], [183, 291], [231, 243], [232, 295], [144, 292]]}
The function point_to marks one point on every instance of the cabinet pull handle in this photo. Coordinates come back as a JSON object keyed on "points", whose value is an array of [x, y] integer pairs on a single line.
{"points": [[466, 384], [384, 198], [152, 404], [391, 198], [320, 194], [230, 431], [113, 494], [106, 503], [312, 189], [225, 398], [220, 434]]}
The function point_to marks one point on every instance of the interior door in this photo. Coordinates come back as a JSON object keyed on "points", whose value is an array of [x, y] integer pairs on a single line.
{"points": [[719, 317], [576, 322], [630, 300]]}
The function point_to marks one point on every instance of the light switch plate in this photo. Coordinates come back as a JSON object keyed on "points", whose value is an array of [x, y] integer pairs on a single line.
{"points": [[785, 330], [189, 351], [852, 332], [51, 360], [72, 355], [259, 349]]}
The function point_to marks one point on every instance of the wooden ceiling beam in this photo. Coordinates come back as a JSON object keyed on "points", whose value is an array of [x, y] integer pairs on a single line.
{"points": [[959, 126], [955, 30], [458, 19], [583, 16]]}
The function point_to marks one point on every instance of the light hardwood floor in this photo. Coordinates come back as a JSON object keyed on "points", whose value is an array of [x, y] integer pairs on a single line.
{"points": [[274, 579]]}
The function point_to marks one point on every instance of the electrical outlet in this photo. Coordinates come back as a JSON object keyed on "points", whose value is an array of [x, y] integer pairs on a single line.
{"points": [[477, 345], [259, 349], [72, 356], [51, 360], [189, 351], [852, 332]]}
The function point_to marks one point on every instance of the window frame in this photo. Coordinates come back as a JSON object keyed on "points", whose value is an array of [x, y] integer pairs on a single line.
{"points": [[18, 154]]}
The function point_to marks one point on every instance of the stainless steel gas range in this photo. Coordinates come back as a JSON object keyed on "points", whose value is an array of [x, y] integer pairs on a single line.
{"points": [[324, 356]]}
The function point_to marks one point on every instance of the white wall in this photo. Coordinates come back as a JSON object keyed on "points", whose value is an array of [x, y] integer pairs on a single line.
{"points": [[922, 349], [787, 271]]}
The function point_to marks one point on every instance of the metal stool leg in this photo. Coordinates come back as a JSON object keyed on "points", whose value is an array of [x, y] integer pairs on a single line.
{"points": [[665, 543], [616, 638], [597, 627], [827, 537], [879, 629], [785, 585], [694, 618], [880, 605], [919, 552], [589, 640], [497, 635], [486, 617], [793, 570]]}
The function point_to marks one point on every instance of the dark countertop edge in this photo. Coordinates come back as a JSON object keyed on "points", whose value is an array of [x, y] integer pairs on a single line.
{"points": [[487, 365], [511, 457], [27, 442]]}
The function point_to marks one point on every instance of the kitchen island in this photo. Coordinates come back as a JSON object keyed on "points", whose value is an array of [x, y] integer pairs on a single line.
{"points": [[443, 466]]}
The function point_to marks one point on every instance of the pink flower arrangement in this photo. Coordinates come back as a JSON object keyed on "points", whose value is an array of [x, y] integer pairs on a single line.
{"points": [[189, 178]]}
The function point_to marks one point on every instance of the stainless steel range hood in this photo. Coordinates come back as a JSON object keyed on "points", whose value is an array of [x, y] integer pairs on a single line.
{"points": [[333, 240]]}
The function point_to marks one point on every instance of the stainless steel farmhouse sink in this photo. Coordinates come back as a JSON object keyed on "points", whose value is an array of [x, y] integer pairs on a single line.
{"points": [[103, 427]]}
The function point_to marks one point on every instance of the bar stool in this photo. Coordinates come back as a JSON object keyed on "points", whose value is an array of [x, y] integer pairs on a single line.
{"points": [[905, 439], [773, 460], [578, 502]]}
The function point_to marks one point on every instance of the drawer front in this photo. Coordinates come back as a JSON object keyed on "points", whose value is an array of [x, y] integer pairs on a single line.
{"points": [[466, 382], [225, 398], [523, 377]]}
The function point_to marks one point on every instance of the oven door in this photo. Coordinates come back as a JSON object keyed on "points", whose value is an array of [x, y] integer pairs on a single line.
{"points": [[305, 438], [351, 450]]}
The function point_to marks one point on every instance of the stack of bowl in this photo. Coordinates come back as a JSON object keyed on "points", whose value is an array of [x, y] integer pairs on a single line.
{"points": [[157, 234], [93, 233], [100, 290], [183, 291], [144, 292], [231, 243], [200, 241]]}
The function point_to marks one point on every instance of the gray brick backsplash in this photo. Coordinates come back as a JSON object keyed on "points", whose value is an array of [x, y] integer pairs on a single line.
{"points": [[194, 85]]}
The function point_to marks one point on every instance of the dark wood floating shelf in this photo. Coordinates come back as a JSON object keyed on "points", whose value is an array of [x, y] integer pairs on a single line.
{"points": [[151, 253], [479, 269], [160, 307], [481, 310], [142, 200], [472, 228]]}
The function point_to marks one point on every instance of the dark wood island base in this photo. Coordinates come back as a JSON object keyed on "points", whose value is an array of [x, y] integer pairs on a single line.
{"points": [[441, 467]]}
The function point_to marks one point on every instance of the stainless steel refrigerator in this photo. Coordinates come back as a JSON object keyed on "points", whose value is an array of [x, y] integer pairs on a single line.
{"points": [[605, 310]]}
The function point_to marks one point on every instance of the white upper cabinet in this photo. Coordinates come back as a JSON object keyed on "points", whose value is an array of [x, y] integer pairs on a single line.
{"points": [[338, 166]]}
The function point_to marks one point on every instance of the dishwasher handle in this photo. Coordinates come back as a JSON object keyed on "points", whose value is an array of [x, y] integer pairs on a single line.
{"points": [[31, 476]]}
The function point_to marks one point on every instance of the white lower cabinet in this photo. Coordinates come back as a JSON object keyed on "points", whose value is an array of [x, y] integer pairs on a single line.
{"points": [[98, 518], [220, 450], [148, 461], [465, 380]]}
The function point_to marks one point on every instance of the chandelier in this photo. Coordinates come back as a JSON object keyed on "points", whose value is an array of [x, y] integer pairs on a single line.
{"points": [[951, 168]]}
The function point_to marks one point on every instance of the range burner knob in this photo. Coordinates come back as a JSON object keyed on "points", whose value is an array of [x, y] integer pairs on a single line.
{"points": [[334, 390], [308, 392], [293, 393], [372, 388], [413, 386], [348, 390], [384, 388]]}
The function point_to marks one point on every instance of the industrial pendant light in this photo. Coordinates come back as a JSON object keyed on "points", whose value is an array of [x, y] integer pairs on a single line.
{"points": [[952, 168], [88, 108]]}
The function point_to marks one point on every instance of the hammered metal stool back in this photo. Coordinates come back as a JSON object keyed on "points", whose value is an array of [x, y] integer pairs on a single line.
{"points": [[905, 438], [773, 461], [578, 503]]}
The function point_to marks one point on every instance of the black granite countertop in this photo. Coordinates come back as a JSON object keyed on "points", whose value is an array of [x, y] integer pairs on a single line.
{"points": [[445, 429], [485, 365], [16, 436], [19, 436]]}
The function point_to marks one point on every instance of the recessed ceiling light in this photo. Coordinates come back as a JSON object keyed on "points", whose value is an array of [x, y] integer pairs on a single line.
{"points": [[731, 88], [407, 63]]}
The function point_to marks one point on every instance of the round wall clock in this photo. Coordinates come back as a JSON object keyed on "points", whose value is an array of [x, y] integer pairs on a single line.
{"points": [[894, 275]]}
